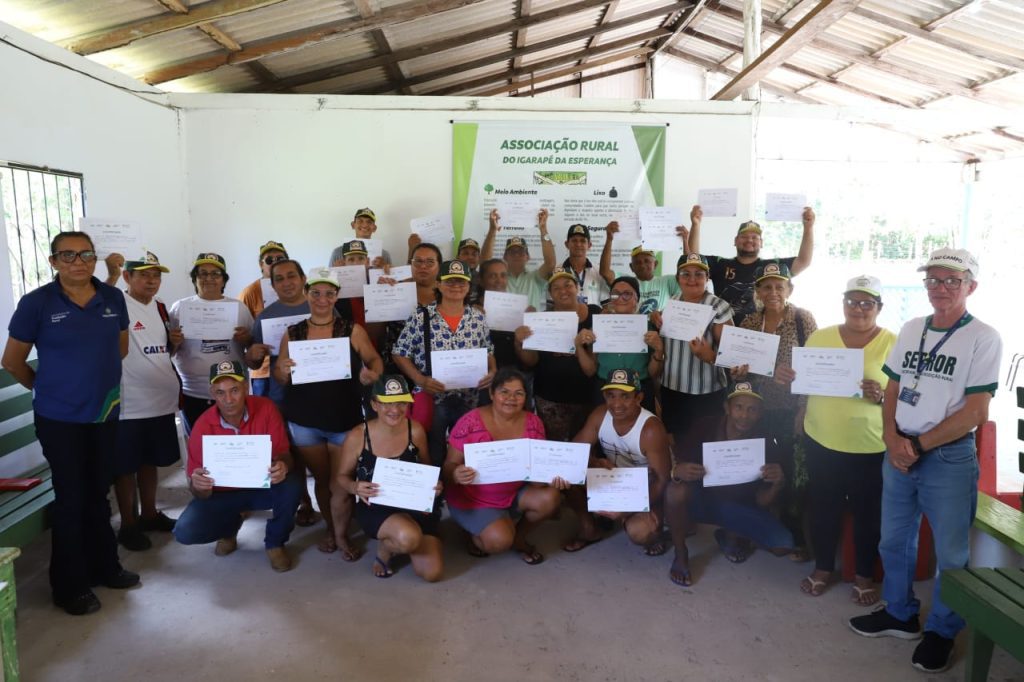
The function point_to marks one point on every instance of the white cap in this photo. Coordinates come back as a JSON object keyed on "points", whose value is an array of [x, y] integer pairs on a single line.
{"points": [[867, 284], [322, 275], [960, 260]]}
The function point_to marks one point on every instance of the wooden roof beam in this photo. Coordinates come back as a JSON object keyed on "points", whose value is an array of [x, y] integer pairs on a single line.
{"points": [[380, 40], [792, 41], [523, 9], [606, 16]]}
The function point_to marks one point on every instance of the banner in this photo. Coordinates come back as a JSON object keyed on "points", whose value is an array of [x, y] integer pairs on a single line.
{"points": [[580, 172]]}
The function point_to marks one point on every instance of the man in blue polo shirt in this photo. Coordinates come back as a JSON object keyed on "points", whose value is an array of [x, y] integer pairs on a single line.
{"points": [[79, 327]]}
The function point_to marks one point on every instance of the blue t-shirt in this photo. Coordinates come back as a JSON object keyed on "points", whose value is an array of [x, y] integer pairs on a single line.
{"points": [[276, 309], [79, 374]]}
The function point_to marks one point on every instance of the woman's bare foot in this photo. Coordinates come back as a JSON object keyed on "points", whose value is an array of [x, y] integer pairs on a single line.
{"points": [[816, 583], [327, 544], [864, 591]]}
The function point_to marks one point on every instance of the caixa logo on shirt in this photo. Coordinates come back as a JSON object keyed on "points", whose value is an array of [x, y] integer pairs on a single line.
{"points": [[154, 350]]}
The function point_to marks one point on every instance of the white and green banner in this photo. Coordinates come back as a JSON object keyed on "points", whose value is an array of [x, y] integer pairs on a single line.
{"points": [[580, 172]]}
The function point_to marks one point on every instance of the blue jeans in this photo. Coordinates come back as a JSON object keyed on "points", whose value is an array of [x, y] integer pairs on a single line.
{"points": [[219, 515], [446, 412], [261, 387], [944, 487], [746, 520]]}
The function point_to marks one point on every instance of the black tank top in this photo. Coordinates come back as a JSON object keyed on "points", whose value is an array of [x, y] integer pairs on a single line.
{"points": [[368, 461], [333, 406]]}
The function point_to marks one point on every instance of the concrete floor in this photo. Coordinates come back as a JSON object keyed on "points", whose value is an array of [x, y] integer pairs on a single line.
{"points": [[607, 613]]}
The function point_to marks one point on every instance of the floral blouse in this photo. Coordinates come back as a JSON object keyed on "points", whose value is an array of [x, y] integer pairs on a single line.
{"points": [[778, 396]]}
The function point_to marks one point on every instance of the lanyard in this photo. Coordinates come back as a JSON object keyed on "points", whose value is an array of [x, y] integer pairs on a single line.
{"points": [[921, 358]]}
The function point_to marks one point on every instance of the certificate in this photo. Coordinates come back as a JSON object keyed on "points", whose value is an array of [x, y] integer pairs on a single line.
{"points": [[629, 226], [374, 248], [658, 228], [685, 321], [267, 290], [553, 332], [320, 360], [352, 278], [620, 333], [458, 368], [788, 207], [405, 485], [398, 273], [746, 347], [624, 489], [113, 236], [274, 330], [505, 311], [833, 372], [389, 302], [238, 461], [718, 203], [518, 211], [553, 459], [730, 462], [501, 461], [434, 229], [208, 320]]}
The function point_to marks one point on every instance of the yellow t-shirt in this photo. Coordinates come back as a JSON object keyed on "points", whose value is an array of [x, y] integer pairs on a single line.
{"points": [[849, 424]]}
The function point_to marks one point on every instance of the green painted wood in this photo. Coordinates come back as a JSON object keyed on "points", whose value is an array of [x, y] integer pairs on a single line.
{"points": [[1001, 521], [8, 605], [7, 380], [19, 438], [29, 522], [16, 406], [1014, 575], [977, 595]]}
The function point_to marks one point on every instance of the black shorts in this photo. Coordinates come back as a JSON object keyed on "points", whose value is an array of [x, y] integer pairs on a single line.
{"points": [[372, 517], [152, 441]]}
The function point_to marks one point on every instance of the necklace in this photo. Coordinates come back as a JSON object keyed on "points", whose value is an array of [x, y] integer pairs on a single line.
{"points": [[321, 324]]}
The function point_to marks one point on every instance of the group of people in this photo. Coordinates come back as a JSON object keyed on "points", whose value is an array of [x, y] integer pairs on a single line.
{"points": [[115, 369]]}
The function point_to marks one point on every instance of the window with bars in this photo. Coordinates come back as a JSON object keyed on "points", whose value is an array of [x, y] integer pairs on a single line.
{"points": [[37, 204]]}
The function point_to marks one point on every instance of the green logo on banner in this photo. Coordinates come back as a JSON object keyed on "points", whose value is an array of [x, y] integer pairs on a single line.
{"points": [[559, 177]]}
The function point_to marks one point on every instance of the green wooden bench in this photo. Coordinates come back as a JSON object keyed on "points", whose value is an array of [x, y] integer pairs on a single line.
{"points": [[23, 514]]}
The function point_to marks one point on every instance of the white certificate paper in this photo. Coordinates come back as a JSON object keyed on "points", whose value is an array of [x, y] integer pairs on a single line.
{"points": [[685, 321], [387, 302], [398, 273], [718, 203], [554, 332], [208, 320], [518, 211], [113, 236], [320, 360], [788, 207], [658, 228], [274, 330], [552, 459], [835, 372], [267, 290], [504, 310], [730, 462], [746, 347], [501, 461], [624, 489], [374, 248], [352, 278], [405, 485], [434, 229], [620, 333], [238, 461], [458, 368], [629, 226]]}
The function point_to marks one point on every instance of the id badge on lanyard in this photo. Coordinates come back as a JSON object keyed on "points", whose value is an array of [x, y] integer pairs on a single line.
{"points": [[911, 395]]}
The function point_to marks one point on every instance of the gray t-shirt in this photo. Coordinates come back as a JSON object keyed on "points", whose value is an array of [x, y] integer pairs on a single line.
{"points": [[276, 309], [195, 356]]}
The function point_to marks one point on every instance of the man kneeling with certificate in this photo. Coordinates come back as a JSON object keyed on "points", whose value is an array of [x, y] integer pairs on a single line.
{"points": [[720, 477], [628, 437], [238, 461]]}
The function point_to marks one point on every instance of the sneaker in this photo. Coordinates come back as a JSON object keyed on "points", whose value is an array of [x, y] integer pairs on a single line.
{"points": [[279, 559], [82, 605], [122, 580], [934, 654], [161, 523], [226, 546], [879, 623], [131, 537]]}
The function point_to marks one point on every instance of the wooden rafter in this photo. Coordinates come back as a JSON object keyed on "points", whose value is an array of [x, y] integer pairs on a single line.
{"points": [[126, 34], [581, 80], [606, 16], [684, 20], [408, 11], [523, 9], [791, 7], [380, 40], [792, 41]]}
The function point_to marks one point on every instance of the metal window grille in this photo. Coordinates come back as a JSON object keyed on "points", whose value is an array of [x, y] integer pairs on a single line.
{"points": [[37, 204]]}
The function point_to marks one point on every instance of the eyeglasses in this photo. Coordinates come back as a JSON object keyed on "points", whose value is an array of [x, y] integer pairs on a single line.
{"points": [[270, 260], [318, 293], [949, 282], [455, 282], [622, 295], [424, 262], [209, 275], [865, 305], [87, 256]]}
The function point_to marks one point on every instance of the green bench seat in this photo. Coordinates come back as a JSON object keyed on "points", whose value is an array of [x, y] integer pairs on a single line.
{"points": [[991, 600]]}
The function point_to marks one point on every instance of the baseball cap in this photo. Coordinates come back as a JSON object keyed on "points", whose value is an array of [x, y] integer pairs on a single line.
{"points": [[356, 247], [516, 243], [148, 261], [560, 272], [392, 388], [210, 258], [365, 213], [867, 284], [960, 260], [472, 243], [322, 275], [273, 246], [772, 269], [454, 269], [693, 259], [743, 388], [577, 229], [227, 368], [623, 380], [749, 226], [639, 251]]}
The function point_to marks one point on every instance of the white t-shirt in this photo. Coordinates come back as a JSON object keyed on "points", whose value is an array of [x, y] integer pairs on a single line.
{"points": [[968, 362], [623, 451], [149, 385], [195, 356]]}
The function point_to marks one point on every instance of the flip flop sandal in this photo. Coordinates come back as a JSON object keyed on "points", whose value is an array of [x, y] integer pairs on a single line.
{"points": [[475, 551], [350, 555], [385, 565], [531, 557], [817, 587], [861, 591], [305, 516], [736, 554], [577, 544], [680, 577], [657, 548]]}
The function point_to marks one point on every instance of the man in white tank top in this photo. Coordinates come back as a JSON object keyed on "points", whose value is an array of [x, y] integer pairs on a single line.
{"points": [[626, 436]]}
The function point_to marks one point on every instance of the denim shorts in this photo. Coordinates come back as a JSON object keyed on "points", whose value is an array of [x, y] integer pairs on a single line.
{"points": [[306, 436]]}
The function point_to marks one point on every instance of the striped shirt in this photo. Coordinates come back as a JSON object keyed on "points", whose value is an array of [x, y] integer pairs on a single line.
{"points": [[685, 373]]}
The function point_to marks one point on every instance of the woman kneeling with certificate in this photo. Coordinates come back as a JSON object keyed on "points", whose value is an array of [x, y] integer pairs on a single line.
{"points": [[363, 455], [486, 511]]}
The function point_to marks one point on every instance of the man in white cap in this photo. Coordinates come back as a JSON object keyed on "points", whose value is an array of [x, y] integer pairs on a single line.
{"points": [[531, 283], [943, 371]]}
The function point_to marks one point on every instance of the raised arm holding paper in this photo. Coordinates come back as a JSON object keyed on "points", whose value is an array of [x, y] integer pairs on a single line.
{"points": [[531, 283]]}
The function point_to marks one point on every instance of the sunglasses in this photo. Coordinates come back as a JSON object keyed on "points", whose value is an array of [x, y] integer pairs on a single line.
{"points": [[270, 260]]}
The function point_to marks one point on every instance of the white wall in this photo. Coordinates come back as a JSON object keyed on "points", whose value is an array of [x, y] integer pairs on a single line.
{"points": [[296, 168]]}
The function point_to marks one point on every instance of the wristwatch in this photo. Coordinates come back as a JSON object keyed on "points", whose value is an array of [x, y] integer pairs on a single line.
{"points": [[546, 237]]}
